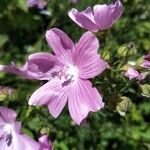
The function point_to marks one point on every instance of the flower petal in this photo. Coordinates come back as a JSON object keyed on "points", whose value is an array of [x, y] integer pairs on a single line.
{"points": [[52, 94], [28, 143], [146, 64], [84, 19], [7, 115], [72, 13], [45, 144], [45, 93], [38, 66], [15, 70], [57, 104], [19, 142], [81, 100], [41, 65], [132, 73], [92, 66], [88, 43], [58, 40], [89, 62], [117, 9], [106, 15]]}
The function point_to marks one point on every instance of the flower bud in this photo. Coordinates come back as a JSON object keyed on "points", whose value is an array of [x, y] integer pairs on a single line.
{"points": [[122, 51], [127, 50], [125, 67], [140, 61], [145, 90], [123, 105], [45, 130], [106, 55], [5, 92]]}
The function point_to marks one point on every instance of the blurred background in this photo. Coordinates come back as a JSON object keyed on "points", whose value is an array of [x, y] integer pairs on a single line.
{"points": [[22, 32]]}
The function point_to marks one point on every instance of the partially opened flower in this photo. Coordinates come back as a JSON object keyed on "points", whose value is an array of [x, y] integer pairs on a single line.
{"points": [[68, 72], [101, 17], [132, 73], [146, 63], [11, 137], [44, 143], [36, 3]]}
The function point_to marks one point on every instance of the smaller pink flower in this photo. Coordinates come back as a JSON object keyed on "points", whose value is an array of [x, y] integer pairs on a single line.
{"points": [[11, 137], [131, 73], [101, 17], [146, 63], [45, 144], [36, 3]]}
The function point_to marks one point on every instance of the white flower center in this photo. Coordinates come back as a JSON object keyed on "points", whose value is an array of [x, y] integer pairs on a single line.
{"points": [[72, 72], [6, 133], [8, 128], [67, 74]]}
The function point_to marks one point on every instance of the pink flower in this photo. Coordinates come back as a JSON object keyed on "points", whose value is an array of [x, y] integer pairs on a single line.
{"points": [[134, 74], [45, 144], [11, 137], [100, 18], [36, 3], [146, 63], [68, 72]]}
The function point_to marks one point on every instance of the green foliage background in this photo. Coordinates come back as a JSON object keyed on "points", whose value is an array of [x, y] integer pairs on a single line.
{"points": [[22, 33]]}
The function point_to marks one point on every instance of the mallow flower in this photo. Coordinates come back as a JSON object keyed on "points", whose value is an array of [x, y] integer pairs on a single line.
{"points": [[68, 72], [36, 3], [44, 143], [146, 62], [11, 137], [101, 17], [132, 73]]}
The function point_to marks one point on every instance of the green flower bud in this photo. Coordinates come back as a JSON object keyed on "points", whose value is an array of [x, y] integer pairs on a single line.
{"points": [[126, 67], [122, 51], [106, 55], [127, 50], [145, 90], [5, 92], [132, 51], [45, 130], [123, 105]]}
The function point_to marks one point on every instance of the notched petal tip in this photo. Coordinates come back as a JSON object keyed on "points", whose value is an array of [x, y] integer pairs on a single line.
{"points": [[58, 41], [118, 10]]}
